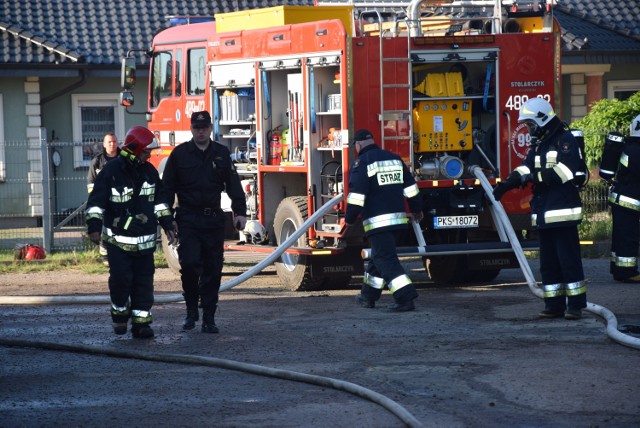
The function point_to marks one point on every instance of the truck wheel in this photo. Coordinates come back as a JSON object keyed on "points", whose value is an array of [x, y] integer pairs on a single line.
{"points": [[476, 276], [447, 270], [170, 254], [293, 270]]}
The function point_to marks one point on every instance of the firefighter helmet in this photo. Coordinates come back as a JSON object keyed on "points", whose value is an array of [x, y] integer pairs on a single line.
{"points": [[138, 139], [255, 232], [635, 127], [29, 252], [536, 113]]}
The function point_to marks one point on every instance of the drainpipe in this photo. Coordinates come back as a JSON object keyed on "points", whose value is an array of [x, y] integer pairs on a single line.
{"points": [[63, 91]]}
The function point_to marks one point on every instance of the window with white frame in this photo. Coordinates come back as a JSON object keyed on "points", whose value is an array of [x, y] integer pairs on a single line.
{"points": [[93, 116], [622, 89], [3, 166]]}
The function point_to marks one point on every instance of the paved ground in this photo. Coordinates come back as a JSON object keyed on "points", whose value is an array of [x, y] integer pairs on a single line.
{"points": [[472, 356]]}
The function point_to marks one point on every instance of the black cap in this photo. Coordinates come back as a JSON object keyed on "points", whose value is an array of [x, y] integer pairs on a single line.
{"points": [[361, 135], [201, 119]]}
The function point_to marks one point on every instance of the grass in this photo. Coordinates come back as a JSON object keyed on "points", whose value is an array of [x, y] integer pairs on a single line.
{"points": [[84, 261], [595, 230]]}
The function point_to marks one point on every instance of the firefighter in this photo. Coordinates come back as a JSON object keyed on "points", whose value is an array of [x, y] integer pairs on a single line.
{"points": [[124, 208], [379, 183], [109, 152], [556, 209], [197, 172], [624, 198]]}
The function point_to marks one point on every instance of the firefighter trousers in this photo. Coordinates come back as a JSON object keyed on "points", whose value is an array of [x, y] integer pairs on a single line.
{"points": [[201, 254], [624, 242], [561, 263], [384, 268], [130, 284]]}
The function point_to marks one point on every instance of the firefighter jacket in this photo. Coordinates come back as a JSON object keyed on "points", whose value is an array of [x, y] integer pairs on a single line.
{"points": [[198, 179], [97, 163], [551, 166], [379, 181], [625, 192], [125, 193]]}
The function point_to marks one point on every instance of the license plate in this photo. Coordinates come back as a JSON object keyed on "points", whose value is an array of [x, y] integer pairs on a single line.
{"points": [[455, 221]]}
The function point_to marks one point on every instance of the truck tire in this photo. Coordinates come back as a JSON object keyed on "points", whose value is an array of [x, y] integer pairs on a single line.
{"points": [[294, 270], [170, 254], [447, 270], [476, 276]]}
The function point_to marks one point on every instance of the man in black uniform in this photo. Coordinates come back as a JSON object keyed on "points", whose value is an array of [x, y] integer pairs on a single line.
{"points": [[197, 172], [624, 198], [124, 208], [109, 152], [379, 182], [556, 209]]}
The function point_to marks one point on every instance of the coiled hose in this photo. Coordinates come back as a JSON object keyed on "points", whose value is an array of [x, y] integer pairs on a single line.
{"points": [[396, 409]]}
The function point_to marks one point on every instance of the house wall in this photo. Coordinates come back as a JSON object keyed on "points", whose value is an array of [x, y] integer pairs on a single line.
{"points": [[621, 72], [580, 90], [57, 116], [21, 191], [15, 99]]}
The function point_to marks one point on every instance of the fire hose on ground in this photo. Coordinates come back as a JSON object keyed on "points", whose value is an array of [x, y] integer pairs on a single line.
{"points": [[385, 402], [601, 311], [396, 409]]}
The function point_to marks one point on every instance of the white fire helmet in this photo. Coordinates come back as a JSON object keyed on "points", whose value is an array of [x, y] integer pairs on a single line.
{"points": [[536, 114], [255, 232], [635, 127]]}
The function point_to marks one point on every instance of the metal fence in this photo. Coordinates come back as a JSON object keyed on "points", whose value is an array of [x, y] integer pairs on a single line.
{"points": [[43, 202], [43, 190]]}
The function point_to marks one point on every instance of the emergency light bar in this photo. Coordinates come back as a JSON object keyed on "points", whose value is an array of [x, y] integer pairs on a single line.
{"points": [[183, 20]]}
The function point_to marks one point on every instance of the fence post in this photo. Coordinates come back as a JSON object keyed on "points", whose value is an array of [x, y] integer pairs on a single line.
{"points": [[47, 230]]}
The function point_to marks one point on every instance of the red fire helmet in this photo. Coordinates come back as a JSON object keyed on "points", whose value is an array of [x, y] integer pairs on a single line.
{"points": [[34, 252], [139, 139]]}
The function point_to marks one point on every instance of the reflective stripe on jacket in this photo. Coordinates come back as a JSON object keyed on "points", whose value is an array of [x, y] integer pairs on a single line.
{"points": [[552, 165], [379, 182], [123, 190]]}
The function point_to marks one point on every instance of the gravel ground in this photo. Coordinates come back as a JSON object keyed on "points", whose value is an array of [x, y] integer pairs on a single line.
{"points": [[472, 356]]}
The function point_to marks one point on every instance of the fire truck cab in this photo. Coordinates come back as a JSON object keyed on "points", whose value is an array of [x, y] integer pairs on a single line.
{"points": [[440, 83]]}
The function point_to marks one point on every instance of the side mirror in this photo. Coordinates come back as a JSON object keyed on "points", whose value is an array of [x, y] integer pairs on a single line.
{"points": [[128, 73], [126, 98]]}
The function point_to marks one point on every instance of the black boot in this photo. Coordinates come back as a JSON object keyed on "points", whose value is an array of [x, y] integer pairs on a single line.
{"points": [[119, 328], [191, 318], [208, 320], [141, 331]]}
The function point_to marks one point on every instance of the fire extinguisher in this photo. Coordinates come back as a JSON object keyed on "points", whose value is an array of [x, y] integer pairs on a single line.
{"points": [[275, 147]]}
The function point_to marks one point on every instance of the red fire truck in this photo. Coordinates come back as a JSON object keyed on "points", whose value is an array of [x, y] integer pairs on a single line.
{"points": [[438, 82]]}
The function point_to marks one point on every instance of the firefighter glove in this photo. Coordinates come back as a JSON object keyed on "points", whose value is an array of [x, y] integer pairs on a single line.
{"points": [[239, 222], [511, 182], [417, 216], [172, 238], [525, 179], [501, 188], [94, 237]]}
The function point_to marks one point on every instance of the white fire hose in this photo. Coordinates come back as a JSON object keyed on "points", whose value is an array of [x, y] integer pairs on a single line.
{"points": [[606, 314], [172, 298], [393, 407]]}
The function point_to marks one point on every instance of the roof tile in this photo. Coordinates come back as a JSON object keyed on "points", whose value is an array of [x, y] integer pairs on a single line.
{"points": [[72, 28]]}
